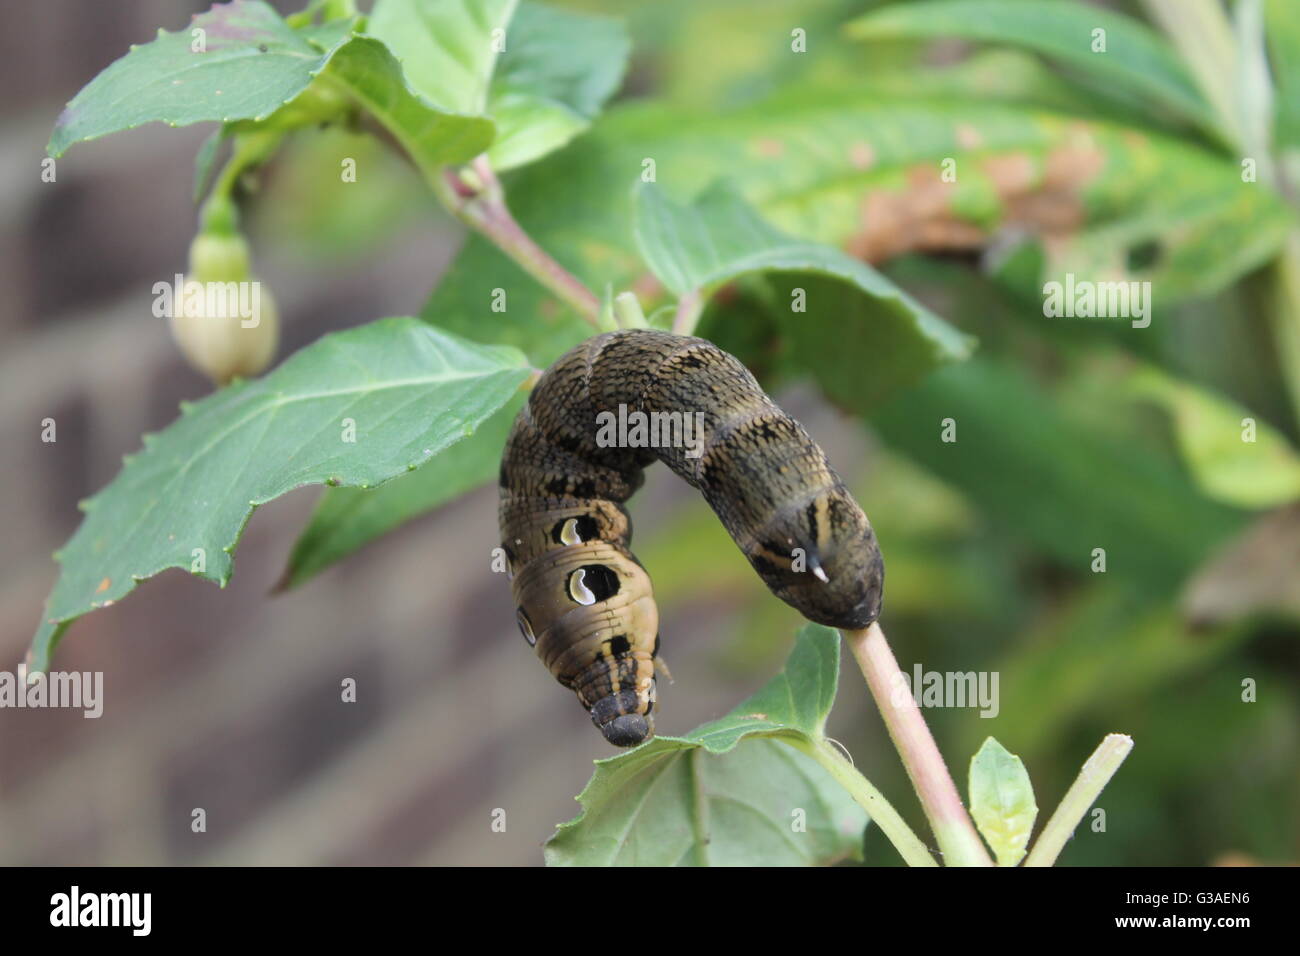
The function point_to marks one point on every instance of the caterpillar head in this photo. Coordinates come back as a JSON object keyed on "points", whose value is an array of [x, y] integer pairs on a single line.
{"points": [[616, 717], [823, 560]]}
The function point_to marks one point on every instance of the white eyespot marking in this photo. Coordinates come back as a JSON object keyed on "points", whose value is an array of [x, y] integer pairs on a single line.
{"points": [[578, 589], [525, 627], [569, 533], [821, 574]]}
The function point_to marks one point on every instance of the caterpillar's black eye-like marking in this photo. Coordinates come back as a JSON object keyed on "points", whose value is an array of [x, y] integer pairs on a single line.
{"points": [[525, 627], [562, 488], [575, 530], [592, 583]]}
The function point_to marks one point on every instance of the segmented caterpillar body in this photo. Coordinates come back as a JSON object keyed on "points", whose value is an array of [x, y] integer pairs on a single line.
{"points": [[583, 600]]}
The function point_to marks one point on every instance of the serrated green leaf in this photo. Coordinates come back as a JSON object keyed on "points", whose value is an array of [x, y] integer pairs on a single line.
{"points": [[1134, 57], [730, 792], [410, 389], [552, 79], [252, 64], [257, 69], [1002, 801], [1212, 434], [347, 518]]}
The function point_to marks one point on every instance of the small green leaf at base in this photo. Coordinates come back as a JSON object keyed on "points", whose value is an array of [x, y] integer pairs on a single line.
{"points": [[730, 793], [1002, 801]]}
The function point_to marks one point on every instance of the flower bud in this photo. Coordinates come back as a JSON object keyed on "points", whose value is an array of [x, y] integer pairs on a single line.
{"points": [[225, 321]]}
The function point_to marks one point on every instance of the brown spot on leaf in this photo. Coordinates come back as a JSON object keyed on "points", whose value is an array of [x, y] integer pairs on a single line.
{"points": [[103, 586], [861, 155], [968, 137], [918, 217], [1012, 173], [647, 287], [1042, 197]]}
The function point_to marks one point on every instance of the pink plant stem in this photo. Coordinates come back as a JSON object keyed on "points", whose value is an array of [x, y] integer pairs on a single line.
{"points": [[958, 841], [484, 208]]}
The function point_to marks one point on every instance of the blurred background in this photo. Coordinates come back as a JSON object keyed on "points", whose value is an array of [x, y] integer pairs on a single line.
{"points": [[1072, 435]]}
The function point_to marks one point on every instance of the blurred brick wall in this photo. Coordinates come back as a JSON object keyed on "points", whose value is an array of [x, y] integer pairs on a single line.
{"points": [[230, 700]]}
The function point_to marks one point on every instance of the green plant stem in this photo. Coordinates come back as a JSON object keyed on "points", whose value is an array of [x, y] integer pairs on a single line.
{"points": [[952, 826], [1096, 773], [882, 814], [218, 213], [1284, 315], [476, 198]]}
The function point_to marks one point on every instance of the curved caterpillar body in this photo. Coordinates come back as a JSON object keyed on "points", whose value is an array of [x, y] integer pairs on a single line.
{"points": [[583, 600]]}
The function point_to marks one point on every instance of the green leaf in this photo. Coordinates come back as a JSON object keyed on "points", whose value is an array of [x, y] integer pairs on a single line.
{"points": [[719, 238], [1002, 801], [851, 168], [1134, 58], [1212, 434], [347, 518], [1098, 653], [433, 137], [554, 71], [728, 793], [447, 48], [1018, 457], [552, 79], [255, 70], [253, 64], [1282, 29], [410, 390]]}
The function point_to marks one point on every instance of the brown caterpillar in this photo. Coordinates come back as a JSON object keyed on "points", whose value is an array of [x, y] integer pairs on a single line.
{"points": [[583, 600]]}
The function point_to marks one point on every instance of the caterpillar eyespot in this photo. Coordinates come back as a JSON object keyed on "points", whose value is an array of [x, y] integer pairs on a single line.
{"points": [[584, 602]]}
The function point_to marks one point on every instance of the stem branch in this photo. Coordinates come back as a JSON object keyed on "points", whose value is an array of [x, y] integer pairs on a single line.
{"points": [[689, 308], [1284, 316], [958, 841], [882, 814], [478, 200], [1096, 773]]}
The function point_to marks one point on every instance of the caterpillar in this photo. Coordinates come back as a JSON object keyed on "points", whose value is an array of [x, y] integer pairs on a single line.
{"points": [[583, 601]]}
